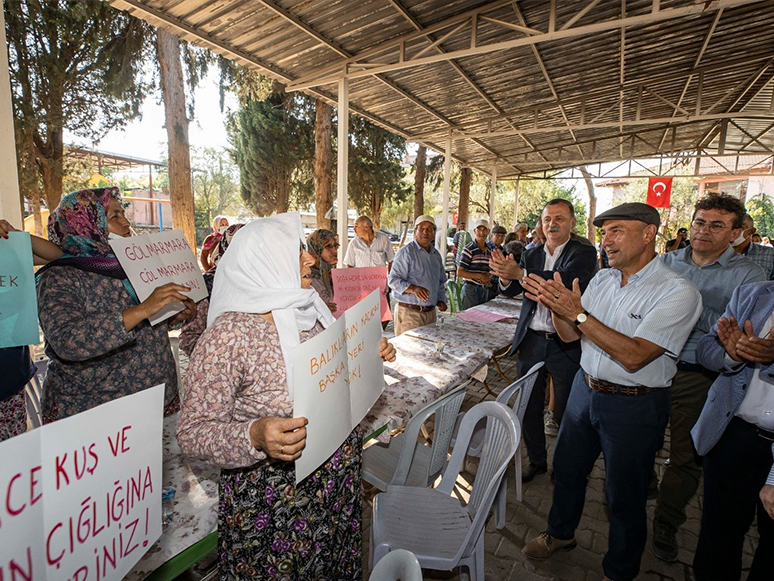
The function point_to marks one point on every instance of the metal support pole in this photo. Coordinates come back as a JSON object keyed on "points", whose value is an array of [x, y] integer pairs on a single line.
{"points": [[446, 186], [492, 196], [343, 167], [516, 202], [10, 201], [161, 219]]}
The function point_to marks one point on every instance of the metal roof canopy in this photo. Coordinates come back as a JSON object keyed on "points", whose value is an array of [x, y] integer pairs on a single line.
{"points": [[520, 87]]}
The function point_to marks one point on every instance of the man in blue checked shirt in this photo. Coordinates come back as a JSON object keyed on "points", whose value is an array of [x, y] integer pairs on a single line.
{"points": [[418, 279], [735, 434], [761, 255]]}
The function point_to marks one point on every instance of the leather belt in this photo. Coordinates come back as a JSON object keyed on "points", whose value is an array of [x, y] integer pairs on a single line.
{"points": [[614, 389], [765, 434], [419, 308], [544, 335]]}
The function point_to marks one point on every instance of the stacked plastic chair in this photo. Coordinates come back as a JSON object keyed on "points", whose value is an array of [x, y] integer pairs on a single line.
{"points": [[433, 524]]}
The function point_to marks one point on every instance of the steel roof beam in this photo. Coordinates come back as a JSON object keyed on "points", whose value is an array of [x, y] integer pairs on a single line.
{"points": [[333, 72]]}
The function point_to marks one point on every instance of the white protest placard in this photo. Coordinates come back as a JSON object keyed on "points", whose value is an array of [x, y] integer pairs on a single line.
{"points": [[21, 509], [84, 493], [351, 285], [339, 375], [154, 260]]}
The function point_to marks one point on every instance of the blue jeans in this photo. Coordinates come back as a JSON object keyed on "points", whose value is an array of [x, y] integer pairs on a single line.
{"points": [[628, 431], [473, 295]]}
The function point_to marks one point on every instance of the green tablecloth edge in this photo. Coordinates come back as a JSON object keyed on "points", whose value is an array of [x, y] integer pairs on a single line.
{"points": [[185, 559]]}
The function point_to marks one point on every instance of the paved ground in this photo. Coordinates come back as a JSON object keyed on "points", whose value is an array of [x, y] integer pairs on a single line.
{"points": [[504, 557]]}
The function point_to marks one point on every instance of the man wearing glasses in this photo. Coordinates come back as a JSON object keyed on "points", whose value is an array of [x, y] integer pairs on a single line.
{"points": [[711, 264]]}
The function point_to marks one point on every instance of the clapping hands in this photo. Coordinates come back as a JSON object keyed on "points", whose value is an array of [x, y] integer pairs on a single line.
{"points": [[744, 345]]}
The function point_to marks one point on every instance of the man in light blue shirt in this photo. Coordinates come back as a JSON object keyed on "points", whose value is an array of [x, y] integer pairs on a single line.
{"points": [[711, 264], [632, 320], [418, 279]]}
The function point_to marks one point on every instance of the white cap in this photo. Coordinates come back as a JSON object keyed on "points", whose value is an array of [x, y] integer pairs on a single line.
{"points": [[481, 222], [424, 218]]}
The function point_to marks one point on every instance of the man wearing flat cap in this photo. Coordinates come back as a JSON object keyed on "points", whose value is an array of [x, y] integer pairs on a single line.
{"points": [[418, 279], [632, 321], [473, 268]]}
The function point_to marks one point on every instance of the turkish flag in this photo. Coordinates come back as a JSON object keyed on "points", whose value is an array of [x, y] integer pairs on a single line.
{"points": [[659, 191]]}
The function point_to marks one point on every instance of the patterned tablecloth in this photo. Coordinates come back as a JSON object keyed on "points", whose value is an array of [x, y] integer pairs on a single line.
{"points": [[430, 361], [196, 504]]}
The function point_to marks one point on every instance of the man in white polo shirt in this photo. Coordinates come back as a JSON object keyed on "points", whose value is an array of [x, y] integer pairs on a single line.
{"points": [[632, 320]]}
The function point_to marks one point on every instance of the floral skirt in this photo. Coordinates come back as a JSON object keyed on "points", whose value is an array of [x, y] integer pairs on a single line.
{"points": [[13, 416], [268, 528]]}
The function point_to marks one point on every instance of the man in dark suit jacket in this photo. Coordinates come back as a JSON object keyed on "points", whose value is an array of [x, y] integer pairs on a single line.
{"points": [[535, 338]]}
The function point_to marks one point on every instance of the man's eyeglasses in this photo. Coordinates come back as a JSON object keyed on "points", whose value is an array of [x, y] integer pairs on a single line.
{"points": [[714, 227]]}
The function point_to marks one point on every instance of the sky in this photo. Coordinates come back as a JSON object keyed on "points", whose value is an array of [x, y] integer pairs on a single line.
{"points": [[146, 136]]}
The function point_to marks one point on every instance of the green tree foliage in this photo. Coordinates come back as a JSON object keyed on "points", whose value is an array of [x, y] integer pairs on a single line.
{"points": [[215, 183], [762, 212], [75, 65], [533, 195], [375, 171], [273, 141]]}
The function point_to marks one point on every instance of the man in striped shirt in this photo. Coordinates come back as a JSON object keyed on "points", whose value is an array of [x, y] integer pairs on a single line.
{"points": [[473, 268]]}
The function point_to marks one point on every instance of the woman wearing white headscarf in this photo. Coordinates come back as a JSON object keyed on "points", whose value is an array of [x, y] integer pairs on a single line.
{"points": [[238, 411]]}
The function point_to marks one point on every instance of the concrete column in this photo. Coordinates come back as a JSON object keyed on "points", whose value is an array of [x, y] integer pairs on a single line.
{"points": [[10, 201], [343, 168], [446, 187]]}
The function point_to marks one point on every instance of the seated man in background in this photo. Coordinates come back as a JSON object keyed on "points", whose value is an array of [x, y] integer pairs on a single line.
{"points": [[418, 278], [745, 245]]}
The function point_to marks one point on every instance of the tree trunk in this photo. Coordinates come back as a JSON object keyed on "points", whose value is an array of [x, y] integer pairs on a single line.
{"points": [[591, 230], [283, 191], [377, 204], [35, 202], [323, 156], [462, 210], [173, 91], [419, 182]]}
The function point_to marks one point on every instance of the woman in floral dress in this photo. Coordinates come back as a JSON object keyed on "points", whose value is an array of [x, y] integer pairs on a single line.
{"points": [[238, 414], [98, 339]]}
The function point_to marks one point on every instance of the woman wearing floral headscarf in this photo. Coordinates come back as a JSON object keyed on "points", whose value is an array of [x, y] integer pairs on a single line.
{"points": [[323, 245], [219, 225], [238, 414], [193, 329], [99, 342]]}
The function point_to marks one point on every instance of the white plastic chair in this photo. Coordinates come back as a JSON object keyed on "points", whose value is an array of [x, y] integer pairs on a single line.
{"points": [[400, 564], [522, 389], [433, 524], [404, 461]]}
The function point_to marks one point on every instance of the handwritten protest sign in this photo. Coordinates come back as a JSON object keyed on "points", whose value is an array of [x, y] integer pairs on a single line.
{"points": [[82, 496], [18, 298], [351, 285], [338, 378], [157, 259]]}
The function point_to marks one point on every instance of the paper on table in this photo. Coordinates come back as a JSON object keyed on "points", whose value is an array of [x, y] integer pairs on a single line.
{"points": [[478, 316], [18, 298], [339, 376], [154, 260]]}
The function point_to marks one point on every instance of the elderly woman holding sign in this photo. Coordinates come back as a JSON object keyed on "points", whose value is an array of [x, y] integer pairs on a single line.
{"points": [[238, 413], [99, 342]]}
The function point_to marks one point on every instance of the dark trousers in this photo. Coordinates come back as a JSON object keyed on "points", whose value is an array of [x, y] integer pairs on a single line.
{"points": [[628, 431], [562, 361], [735, 470], [681, 478], [473, 295]]}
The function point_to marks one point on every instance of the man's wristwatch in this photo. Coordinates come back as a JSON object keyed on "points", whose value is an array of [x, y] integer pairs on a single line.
{"points": [[581, 317]]}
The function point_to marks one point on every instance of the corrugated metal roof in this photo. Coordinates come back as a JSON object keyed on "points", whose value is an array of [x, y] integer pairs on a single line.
{"points": [[533, 90]]}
